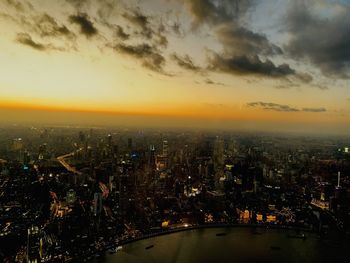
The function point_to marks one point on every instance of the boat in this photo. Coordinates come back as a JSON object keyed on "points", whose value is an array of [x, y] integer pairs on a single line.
{"points": [[151, 246], [275, 248], [118, 248]]}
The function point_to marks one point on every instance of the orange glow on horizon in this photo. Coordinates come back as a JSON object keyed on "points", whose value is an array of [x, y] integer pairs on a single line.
{"points": [[200, 111]]}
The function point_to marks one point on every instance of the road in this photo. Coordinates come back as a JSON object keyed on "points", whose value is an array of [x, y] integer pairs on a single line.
{"points": [[66, 165]]}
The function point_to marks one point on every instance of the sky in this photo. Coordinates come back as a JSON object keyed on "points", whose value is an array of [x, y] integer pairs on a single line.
{"points": [[269, 65]]}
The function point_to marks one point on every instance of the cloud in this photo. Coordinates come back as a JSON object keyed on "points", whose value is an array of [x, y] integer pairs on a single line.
{"points": [[272, 106], [121, 33], [304, 77], [161, 40], [185, 62], [244, 65], [314, 109], [8, 17], [26, 39], [244, 52], [19, 6], [46, 25], [210, 82], [322, 38], [216, 11], [239, 40], [282, 108], [141, 21], [176, 28], [148, 55], [87, 28]]}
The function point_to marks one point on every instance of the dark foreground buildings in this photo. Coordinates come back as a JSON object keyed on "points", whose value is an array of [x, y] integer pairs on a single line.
{"points": [[68, 194]]}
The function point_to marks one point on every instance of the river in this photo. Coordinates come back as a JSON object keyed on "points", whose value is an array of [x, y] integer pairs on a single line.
{"points": [[220, 245]]}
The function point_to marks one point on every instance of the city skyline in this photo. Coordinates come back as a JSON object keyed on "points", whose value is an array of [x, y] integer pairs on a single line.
{"points": [[275, 66]]}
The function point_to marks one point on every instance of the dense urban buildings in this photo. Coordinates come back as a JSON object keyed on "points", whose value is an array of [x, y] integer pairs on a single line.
{"points": [[73, 193]]}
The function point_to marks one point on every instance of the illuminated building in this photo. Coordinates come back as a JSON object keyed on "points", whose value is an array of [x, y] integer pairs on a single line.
{"points": [[17, 144], [151, 163], [320, 203], [271, 219], [218, 159], [259, 217], [165, 224], [33, 245], [70, 197], [245, 216]]}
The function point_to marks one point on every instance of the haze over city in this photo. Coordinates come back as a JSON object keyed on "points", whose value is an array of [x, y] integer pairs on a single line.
{"points": [[249, 65]]}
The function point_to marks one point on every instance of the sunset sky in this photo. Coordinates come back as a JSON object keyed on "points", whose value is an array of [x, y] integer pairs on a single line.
{"points": [[262, 64]]}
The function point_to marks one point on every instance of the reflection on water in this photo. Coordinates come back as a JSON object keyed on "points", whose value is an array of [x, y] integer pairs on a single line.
{"points": [[231, 245]]}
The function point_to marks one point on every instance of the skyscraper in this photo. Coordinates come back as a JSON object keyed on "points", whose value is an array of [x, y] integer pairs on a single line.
{"points": [[33, 245], [218, 160], [97, 204]]}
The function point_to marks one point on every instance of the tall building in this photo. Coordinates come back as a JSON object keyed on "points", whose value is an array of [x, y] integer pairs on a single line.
{"points": [[151, 164], [218, 160], [97, 204], [165, 148], [33, 245]]}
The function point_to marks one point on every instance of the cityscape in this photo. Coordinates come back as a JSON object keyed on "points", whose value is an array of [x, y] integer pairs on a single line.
{"points": [[70, 192], [174, 131]]}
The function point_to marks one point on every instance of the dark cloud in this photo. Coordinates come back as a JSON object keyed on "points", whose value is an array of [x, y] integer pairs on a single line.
{"points": [[121, 33], [216, 11], [87, 28], [323, 41], [282, 108], [239, 40], [185, 62], [150, 56], [26, 39], [244, 51], [46, 25], [314, 109], [272, 106], [141, 21], [161, 40], [244, 65]]}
